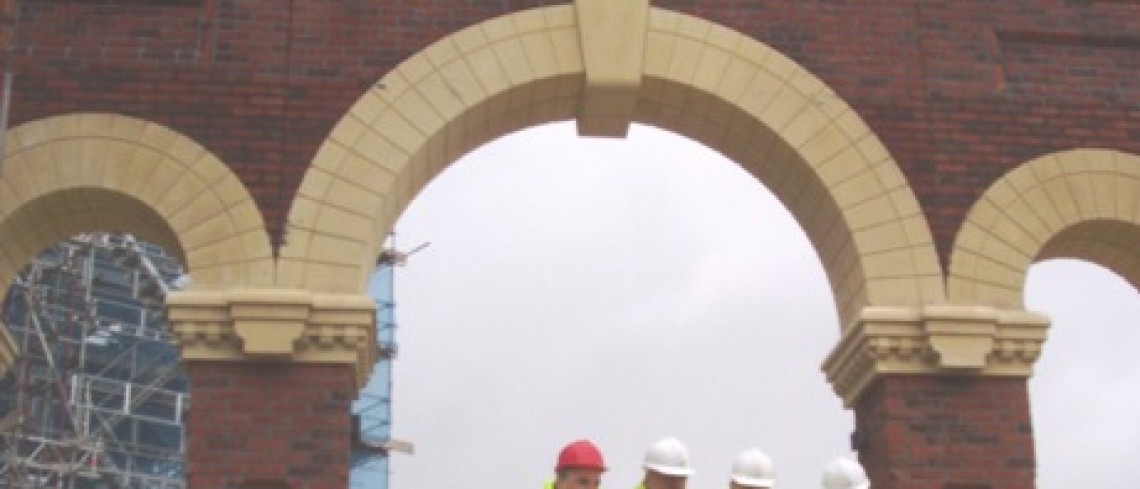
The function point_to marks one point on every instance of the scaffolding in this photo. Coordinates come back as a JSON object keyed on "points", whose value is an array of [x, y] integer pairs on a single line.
{"points": [[372, 411], [96, 398]]}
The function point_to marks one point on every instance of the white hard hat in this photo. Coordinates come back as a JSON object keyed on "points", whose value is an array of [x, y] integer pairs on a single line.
{"points": [[669, 457], [843, 473], [754, 468]]}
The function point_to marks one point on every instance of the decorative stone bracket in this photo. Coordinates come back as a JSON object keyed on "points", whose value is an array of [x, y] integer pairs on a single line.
{"points": [[934, 340], [276, 325]]}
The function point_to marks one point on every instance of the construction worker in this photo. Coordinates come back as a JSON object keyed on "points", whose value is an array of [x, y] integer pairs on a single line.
{"points": [[753, 469], [666, 465], [844, 473], [579, 466]]}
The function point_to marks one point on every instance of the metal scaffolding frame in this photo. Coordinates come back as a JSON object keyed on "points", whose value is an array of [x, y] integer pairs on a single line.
{"points": [[97, 398], [372, 411]]}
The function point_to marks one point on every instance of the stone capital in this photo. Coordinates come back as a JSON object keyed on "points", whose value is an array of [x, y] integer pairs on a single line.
{"points": [[934, 340], [282, 325]]}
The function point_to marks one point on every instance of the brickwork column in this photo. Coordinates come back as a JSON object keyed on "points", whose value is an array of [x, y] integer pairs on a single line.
{"points": [[940, 395], [255, 424], [273, 374], [946, 432]]}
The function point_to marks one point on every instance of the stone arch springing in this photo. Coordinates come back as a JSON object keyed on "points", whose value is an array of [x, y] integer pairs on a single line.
{"points": [[72, 173], [715, 85], [1081, 203]]}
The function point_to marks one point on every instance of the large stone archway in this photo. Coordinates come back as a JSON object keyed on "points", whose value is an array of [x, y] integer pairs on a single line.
{"points": [[73, 173], [935, 345], [80, 172], [1081, 203], [901, 337], [734, 94], [300, 317]]}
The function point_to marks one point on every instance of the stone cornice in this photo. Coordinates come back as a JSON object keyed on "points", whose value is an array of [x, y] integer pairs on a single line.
{"points": [[934, 340], [8, 350], [283, 325]]}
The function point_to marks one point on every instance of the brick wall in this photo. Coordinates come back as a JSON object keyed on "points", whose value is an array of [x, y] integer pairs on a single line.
{"points": [[269, 425], [945, 433], [258, 82], [960, 90]]}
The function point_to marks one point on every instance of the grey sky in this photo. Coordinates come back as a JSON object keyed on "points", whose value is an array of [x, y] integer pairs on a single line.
{"points": [[1086, 394], [624, 290]]}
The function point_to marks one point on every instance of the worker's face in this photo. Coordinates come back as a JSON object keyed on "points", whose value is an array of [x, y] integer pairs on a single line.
{"points": [[579, 479], [654, 480]]}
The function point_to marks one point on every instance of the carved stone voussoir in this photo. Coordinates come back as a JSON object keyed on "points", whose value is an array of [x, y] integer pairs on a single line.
{"points": [[276, 325], [613, 37], [934, 340]]}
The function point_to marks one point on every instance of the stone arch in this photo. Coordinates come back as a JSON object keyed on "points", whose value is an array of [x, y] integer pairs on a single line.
{"points": [[72, 173], [1081, 203], [702, 80]]}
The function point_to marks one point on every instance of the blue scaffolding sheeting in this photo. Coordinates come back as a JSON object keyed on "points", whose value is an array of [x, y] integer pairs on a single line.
{"points": [[373, 409], [97, 398]]}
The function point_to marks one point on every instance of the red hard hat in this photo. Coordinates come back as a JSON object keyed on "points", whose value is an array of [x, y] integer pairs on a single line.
{"points": [[581, 454]]}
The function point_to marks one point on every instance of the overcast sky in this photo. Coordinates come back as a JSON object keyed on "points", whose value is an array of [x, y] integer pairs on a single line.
{"points": [[624, 290]]}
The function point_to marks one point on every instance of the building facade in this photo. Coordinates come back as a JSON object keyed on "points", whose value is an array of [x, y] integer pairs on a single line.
{"points": [[931, 150]]}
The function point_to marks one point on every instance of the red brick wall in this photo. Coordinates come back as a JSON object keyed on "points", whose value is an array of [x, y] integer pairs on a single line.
{"points": [[959, 90], [263, 424], [922, 432], [7, 20], [259, 82]]}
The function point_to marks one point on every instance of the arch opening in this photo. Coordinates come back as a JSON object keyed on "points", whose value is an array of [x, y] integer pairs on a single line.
{"points": [[635, 258], [95, 391], [1083, 392], [746, 101]]}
